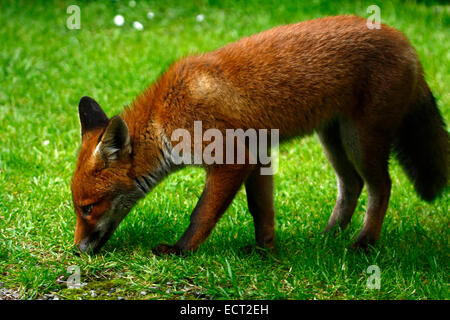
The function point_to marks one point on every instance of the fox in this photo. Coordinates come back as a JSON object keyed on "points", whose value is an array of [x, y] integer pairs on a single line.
{"points": [[361, 90]]}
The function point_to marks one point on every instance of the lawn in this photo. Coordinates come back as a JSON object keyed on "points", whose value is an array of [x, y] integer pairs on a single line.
{"points": [[44, 70]]}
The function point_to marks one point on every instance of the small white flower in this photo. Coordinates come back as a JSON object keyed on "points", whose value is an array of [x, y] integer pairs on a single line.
{"points": [[119, 20], [200, 17], [137, 25], [132, 4], [46, 142], [150, 15]]}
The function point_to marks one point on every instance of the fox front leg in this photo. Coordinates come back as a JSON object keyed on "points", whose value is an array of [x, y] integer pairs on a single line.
{"points": [[222, 184]]}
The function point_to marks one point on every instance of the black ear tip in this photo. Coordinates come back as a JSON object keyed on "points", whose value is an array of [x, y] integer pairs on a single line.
{"points": [[87, 102], [86, 98], [91, 114], [116, 119], [117, 123]]}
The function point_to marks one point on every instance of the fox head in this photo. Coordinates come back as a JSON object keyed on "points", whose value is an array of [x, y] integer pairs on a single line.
{"points": [[103, 185]]}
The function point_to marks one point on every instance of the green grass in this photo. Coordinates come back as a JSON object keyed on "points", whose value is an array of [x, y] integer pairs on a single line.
{"points": [[46, 68]]}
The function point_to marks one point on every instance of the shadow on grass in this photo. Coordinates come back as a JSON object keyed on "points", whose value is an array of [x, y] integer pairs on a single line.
{"points": [[303, 248], [411, 245]]}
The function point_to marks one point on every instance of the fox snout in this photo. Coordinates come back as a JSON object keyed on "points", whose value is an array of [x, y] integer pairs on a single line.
{"points": [[87, 245], [90, 239], [91, 235], [94, 241]]}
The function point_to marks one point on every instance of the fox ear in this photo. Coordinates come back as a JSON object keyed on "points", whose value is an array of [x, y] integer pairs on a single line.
{"points": [[91, 115], [115, 141]]}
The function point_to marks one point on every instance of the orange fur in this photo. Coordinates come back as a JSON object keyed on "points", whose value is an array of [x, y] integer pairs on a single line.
{"points": [[331, 75]]}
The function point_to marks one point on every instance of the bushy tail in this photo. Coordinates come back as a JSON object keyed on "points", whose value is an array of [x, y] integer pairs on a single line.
{"points": [[423, 148]]}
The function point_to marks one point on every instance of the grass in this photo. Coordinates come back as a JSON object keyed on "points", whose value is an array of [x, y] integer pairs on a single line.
{"points": [[46, 68]]}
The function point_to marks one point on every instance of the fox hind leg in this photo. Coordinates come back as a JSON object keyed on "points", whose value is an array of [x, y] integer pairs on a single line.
{"points": [[349, 181], [369, 151]]}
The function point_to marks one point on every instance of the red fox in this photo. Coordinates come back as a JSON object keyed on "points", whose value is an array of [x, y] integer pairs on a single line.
{"points": [[361, 90]]}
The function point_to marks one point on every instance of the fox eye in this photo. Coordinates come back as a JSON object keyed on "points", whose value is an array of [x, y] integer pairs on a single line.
{"points": [[87, 210]]}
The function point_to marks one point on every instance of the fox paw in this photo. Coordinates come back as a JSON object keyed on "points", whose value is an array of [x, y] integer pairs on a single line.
{"points": [[258, 249], [164, 249], [363, 243]]}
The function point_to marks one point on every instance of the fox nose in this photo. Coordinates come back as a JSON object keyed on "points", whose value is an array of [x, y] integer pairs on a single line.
{"points": [[84, 246], [89, 244], [93, 242]]}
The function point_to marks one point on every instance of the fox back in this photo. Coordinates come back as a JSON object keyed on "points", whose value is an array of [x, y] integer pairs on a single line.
{"points": [[292, 77]]}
